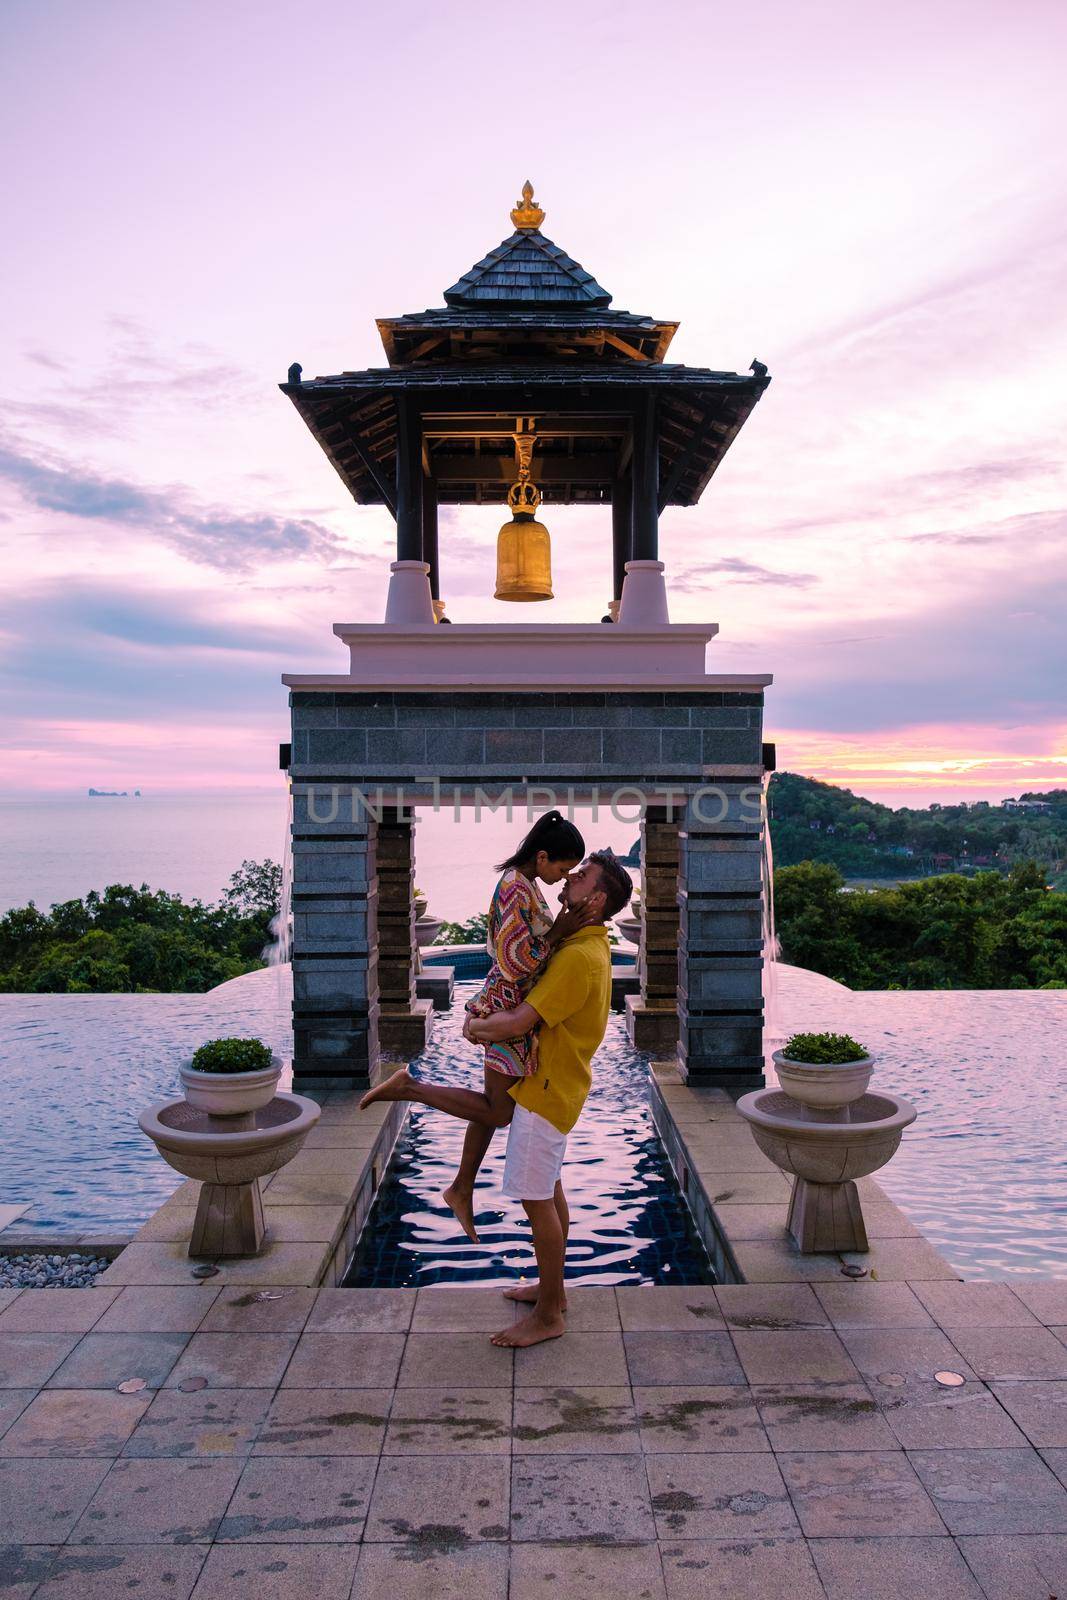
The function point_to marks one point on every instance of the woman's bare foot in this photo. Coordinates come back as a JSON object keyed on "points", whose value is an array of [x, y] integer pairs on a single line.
{"points": [[392, 1088], [461, 1203], [533, 1329], [526, 1294]]}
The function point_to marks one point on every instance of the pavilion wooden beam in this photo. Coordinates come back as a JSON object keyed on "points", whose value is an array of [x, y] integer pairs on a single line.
{"points": [[408, 481], [627, 349], [687, 457], [469, 468]]}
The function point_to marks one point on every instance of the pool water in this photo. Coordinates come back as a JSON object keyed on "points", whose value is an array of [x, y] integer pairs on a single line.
{"points": [[629, 1224]]}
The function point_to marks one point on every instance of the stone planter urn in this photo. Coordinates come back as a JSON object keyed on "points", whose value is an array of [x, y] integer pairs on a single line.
{"points": [[229, 1094], [229, 1154], [823, 1086], [629, 927], [422, 904]]}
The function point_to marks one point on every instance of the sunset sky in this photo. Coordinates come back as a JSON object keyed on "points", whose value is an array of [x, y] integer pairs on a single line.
{"points": [[868, 198]]}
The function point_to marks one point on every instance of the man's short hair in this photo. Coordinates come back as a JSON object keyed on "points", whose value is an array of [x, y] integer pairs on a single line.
{"points": [[615, 882]]}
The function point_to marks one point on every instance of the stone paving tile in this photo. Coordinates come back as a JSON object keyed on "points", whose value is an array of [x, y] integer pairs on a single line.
{"points": [[75, 1422], [854, 1492], [13, 1403], [277, 1572], [104, 1360], [361, 1311], [152, 1310], [574, 1421], [22, 1568], [552, 1572], [740, 1569], [770, 1307], [591, 1310], [805, 1354], [324, 1422], [206, 1422], [598, 1498], [822, 1416], [749, 1189], [872, 1305], [993, 1491], [1012, 1352], [1047, 1300], [891, 1359], [29, 1359], [173, 1501], [297, 1264], [448, 1310], [1018, 1567], [699, 1418], [580, 1358], [243, 1311], [673, 1308], [151, 1572], [674, 1358], [925, 1416], [345, 1361], [427, 1500], [721, 1496], [440, 1360], [975, 1305], [437, 1568], [300, 1500], [429, 1422], [890, 1259], [6, 1297], [235, 1360], [1039, 1406], [893, 1569], [42, 1500], [56, 1310]]}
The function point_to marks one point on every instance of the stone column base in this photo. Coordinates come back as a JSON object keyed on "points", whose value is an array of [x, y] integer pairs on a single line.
{"points": [[405, 1034], [651, 1028], [825, 1218], [229, 1220]]}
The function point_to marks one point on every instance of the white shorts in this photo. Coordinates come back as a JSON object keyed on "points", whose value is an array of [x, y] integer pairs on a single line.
{"points": [[534, 1157]]}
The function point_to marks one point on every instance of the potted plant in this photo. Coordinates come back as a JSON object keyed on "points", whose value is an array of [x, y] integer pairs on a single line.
{"points": [[823, 1070], [229, 1076], [421, 901]]}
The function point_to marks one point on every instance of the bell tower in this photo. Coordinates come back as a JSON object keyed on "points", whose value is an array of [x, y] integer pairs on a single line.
{"points": [[527, 388]]}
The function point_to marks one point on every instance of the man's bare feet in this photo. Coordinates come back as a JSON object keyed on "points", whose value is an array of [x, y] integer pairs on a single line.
{"points": [[533, 1329], [392, 1088], [462, 1204], [526, 1294]]}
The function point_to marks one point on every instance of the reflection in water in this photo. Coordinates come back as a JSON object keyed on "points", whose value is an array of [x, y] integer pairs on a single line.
{"points": [[628, 1222]]}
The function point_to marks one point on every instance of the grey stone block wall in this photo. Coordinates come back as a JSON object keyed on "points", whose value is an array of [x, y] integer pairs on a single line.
{"points": [[352, 950]]}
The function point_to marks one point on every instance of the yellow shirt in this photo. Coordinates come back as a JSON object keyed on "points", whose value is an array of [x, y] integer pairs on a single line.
{"points": [[573, 999]]}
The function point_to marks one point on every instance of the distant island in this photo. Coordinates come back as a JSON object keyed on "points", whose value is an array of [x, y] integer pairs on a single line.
{"points": [[114, 794]]}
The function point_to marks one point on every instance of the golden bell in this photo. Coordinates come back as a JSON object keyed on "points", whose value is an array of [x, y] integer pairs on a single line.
{"points": [[523, 549]]}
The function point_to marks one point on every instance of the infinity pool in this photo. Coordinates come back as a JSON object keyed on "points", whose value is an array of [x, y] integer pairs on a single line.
{"points": [[983, 1171]]}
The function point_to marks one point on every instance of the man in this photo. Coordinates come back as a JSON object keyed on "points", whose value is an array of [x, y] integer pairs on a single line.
{"points": [[570, 1003]]}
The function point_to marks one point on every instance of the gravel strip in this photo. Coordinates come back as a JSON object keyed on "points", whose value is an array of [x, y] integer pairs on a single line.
{"points": [[39, 1270]]}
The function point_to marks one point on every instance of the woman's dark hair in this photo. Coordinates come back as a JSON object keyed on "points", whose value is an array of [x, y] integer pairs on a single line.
{"points": [[552, 833]]}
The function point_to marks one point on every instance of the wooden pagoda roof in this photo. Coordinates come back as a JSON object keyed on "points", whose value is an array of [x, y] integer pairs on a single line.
{"points": [[526, 339], [581, 412]]}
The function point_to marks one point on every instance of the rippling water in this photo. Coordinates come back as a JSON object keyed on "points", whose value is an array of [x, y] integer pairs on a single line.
{"points": [[983, 1171], [628, 1221]]}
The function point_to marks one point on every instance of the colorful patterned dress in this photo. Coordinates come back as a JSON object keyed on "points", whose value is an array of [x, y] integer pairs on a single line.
{"points": [[519, 923]]}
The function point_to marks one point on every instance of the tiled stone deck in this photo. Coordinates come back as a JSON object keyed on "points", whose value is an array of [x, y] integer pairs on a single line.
{"points": [[729, 1442]]}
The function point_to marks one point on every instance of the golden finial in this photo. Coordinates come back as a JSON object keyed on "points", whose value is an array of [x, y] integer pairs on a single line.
{"points": [[527, 215]]}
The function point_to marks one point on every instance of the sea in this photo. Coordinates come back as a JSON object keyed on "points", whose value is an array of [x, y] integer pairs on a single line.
{"points": [[55, 848]]}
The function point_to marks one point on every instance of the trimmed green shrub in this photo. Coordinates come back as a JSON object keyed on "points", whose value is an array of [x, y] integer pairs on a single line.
{"points": [[823, 1049], [232, 1055]]}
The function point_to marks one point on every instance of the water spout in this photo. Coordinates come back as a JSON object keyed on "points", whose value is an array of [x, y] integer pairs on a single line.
{"points": [[279, 952]]}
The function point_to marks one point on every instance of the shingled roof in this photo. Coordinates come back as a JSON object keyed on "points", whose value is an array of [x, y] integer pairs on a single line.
{"points": [[527, 269]]}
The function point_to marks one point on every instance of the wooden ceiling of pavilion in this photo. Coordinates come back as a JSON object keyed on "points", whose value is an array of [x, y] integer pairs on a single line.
{"points": [[525, 340]]}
